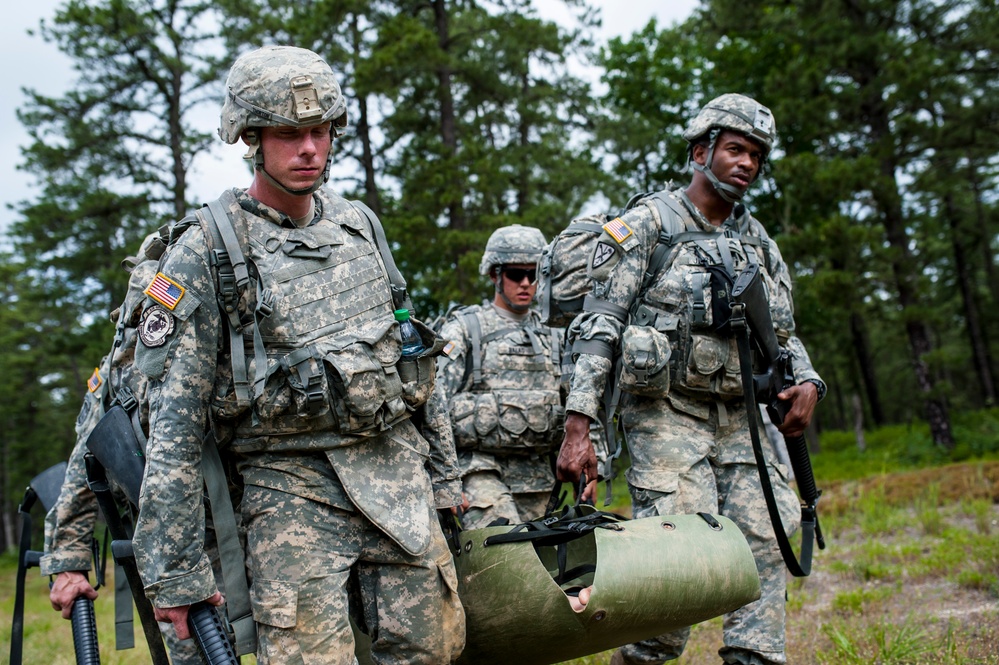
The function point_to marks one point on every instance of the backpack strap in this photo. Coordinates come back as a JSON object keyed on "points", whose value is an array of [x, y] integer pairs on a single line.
{"points": [[232, 277], [237, 593], [400, 296], [676, 226], [473, 359]]}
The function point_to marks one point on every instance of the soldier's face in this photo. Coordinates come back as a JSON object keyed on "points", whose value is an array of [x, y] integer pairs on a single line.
{"points": [[518, 282], [736, 160], [295, 156]]}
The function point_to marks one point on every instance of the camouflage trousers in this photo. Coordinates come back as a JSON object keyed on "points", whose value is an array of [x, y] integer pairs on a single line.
{"points": [[682, 464], [307, 558], [490, 499]]}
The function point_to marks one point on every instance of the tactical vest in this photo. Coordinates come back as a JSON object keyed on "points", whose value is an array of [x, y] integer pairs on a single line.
{"points": [[678, 337], [510, 400], [324, 352]]}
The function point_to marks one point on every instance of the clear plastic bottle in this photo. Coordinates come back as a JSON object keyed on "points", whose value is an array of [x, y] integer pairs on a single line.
{"points": [[412, 343]]}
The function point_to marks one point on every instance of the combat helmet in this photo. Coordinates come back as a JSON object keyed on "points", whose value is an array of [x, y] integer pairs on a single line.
{"points": [[512, 244], [278, 86], [737, 113]]}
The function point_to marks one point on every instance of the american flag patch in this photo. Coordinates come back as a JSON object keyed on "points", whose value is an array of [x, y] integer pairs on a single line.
{"points": [[95, 380], [448, 348], [618, 230], [165, 291]]}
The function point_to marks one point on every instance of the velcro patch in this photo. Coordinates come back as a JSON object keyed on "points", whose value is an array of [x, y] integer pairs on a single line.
{"points": [[95, 381], [165, 291], [448, 348], [155, 326], [618, 230], [602, 253]]}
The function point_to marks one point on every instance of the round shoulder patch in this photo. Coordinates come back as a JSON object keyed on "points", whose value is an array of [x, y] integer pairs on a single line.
{"points": [[155, 326]]}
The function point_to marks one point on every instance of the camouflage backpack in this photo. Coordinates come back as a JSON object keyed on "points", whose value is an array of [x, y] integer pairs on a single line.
{"points": [[564, 281]]}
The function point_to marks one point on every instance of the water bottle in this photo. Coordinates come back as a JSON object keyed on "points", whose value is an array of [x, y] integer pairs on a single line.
{"points": [[412, 343]]}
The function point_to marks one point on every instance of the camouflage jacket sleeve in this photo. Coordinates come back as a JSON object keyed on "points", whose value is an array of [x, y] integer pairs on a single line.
{"points": [[782, 308], [69, 524], [169, 534], [618, 280], [445, 474], [451, 364]]}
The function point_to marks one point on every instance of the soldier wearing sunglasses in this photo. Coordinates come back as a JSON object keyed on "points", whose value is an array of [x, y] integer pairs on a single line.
{"points": [[502, 377]]}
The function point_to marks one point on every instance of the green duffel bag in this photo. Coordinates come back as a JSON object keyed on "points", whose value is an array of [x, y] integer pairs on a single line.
{"points": [[644, 577]]}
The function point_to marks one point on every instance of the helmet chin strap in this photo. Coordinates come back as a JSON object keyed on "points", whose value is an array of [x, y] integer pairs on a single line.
{"points": [[258, 165], [730, 193]]}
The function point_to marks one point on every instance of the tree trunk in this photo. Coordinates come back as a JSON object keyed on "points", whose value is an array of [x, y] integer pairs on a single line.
{"points": [[862, 349], [888, 201], [980, 354], [449, 137], [858, 422], [363, 130]]}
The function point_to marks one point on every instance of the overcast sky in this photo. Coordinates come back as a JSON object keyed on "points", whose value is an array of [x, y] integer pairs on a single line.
{"points": [[30, 62]]}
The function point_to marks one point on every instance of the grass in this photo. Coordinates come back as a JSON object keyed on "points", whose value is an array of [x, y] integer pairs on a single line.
{"points": [[910, 574]]}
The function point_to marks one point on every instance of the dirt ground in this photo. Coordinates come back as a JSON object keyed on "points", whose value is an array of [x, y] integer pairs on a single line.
{"points": [[896, 594]]}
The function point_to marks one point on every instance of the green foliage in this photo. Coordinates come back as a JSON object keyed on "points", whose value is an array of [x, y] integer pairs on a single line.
{"points": [[111, 157], [909, 446], [889, 645], [853, 602]]}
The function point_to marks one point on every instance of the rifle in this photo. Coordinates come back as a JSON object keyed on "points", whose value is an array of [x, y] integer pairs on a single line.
{"points": [[752, 324], [45, 488], [115, 453]]}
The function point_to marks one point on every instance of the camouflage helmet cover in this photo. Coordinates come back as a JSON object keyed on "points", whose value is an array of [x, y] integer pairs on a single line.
{"points": [[738, 113], [512, 244], [280, 85]]}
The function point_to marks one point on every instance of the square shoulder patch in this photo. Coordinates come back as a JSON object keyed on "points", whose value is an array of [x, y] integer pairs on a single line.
{"points": [[165, 291], [618, 230]]}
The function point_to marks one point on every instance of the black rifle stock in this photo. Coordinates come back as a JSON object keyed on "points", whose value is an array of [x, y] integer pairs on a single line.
{"points": [[775, 375], [44, 489], [115, 454]]}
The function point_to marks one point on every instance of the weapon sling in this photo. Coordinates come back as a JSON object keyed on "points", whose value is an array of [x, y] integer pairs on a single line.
{"points": [[121, 549], [809, 521]]}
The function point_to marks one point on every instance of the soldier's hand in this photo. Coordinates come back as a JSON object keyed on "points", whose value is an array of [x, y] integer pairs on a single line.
{"points": [[67, 587], [178, 615], [577, 455], [803, 399], [463, 508]]}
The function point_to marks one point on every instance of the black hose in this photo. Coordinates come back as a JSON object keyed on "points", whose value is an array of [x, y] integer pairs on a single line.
{"points": [[210, 635], [85, 632]]}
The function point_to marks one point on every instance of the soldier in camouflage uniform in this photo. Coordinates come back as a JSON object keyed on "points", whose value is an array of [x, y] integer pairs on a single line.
{"points": [[340, 486], [686, 426], [70, 523], [501, 373]]}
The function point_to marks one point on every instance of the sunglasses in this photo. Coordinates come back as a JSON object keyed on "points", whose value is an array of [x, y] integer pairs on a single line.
{"points": [[517, 275]]}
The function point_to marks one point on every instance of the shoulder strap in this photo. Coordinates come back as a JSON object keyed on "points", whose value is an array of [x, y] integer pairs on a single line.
{"points": [[400, 296], [676, 226], [232, 277], [473, 357], [231, 558]]}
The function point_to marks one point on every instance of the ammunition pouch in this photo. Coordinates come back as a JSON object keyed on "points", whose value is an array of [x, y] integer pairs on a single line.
{"points": [[508, 421], [348, 384], [639, 572], [645, 357]]}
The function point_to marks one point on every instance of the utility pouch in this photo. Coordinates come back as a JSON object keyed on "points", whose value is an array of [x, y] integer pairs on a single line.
{"points": [[507, 420], [366, 388], [418, 372], [645, 356]]}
